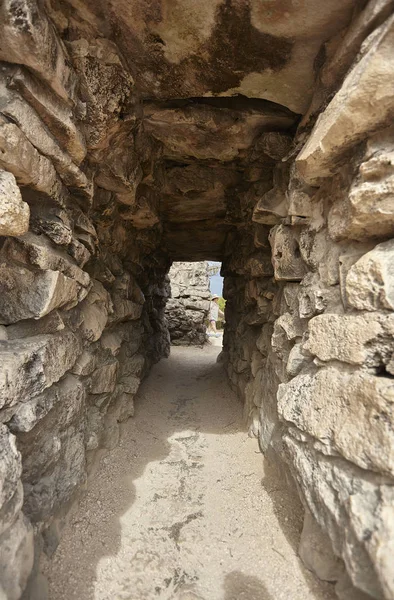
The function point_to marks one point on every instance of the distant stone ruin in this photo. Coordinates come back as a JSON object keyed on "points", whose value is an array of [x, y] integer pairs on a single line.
{"points": [[187, 308]]}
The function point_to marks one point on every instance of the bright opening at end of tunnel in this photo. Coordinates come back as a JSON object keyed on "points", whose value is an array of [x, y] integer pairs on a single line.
{"points": [[195, 310]]}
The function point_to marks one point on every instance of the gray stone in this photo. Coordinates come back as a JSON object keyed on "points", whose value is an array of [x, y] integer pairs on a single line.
{"points": [[10, 472], [16, 559], [30, 294], [286, 256], [354, 508], [19, 157], [31, 365], [36, 250], [29, 413], [316, 553], [103, 379]]}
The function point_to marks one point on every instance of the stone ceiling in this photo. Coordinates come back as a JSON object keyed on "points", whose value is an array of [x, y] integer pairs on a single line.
{"points": [[208, 81]]}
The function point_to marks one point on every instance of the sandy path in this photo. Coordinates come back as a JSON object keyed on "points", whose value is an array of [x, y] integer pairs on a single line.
{"points": [[180, 510]]}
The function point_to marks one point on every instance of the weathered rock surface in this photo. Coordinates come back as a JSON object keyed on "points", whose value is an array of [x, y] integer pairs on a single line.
{"points": [[187, 309], [137, 134], [14, 213], [370, 281]]}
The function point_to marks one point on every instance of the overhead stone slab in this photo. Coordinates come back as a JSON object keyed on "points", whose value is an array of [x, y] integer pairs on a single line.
{"points": [[183, 49], [14, 213], [351, 115], [196, 191], [210, 131]]}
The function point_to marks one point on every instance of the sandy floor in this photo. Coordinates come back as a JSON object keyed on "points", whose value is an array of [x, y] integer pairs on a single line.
{"points": [[182, 508]]}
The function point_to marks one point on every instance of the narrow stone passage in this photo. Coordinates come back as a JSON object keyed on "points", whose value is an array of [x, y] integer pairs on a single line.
{"points": [[182, 508]]}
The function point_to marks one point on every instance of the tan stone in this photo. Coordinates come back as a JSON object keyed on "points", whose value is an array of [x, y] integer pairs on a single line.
{"points": [[21, 158], [366, 209], [14, 213], [286, 256], [370, 281], [28, 37], [351, 115], [31, 365], [350, 413], [355, 339], [16, 559], [29, 294]]}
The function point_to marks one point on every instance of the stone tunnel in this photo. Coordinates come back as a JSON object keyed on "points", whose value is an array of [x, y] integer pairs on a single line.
{"points": [[255, 133]]}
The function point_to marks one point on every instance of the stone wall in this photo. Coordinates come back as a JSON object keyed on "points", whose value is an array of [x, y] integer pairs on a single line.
{"points": [[187, 309], [309, 343], [82, 286], [109, 173]]}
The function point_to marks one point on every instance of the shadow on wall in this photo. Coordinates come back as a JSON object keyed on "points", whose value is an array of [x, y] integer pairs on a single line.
{"points": [[197, 400]]}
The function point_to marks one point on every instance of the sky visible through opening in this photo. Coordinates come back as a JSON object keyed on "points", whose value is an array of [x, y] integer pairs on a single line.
{"points": [[216, 281]]}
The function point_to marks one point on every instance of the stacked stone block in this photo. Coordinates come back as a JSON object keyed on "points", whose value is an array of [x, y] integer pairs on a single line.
{"points": [[315, 370], [187, 309]]}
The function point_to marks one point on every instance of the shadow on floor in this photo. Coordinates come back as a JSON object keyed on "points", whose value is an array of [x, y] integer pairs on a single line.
{"points": [[183, 393], [238, 586]]}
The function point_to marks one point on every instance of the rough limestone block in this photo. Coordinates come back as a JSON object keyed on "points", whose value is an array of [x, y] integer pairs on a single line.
{"points": [[355, 508], [350, 413], [259, 266], [54, 462], [316, 553], [37, 251], [103, 379], [16, 558], [31, 365], [20, 112], [54, 112], [14, 213], [29, 38], [10, 472], [27, 294], [10, 511], [370, 281], [366, 209], [286, 256], [51, 323], [21, 158], [298, 360], [28, 414], [351, 115], [355, 339]]}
